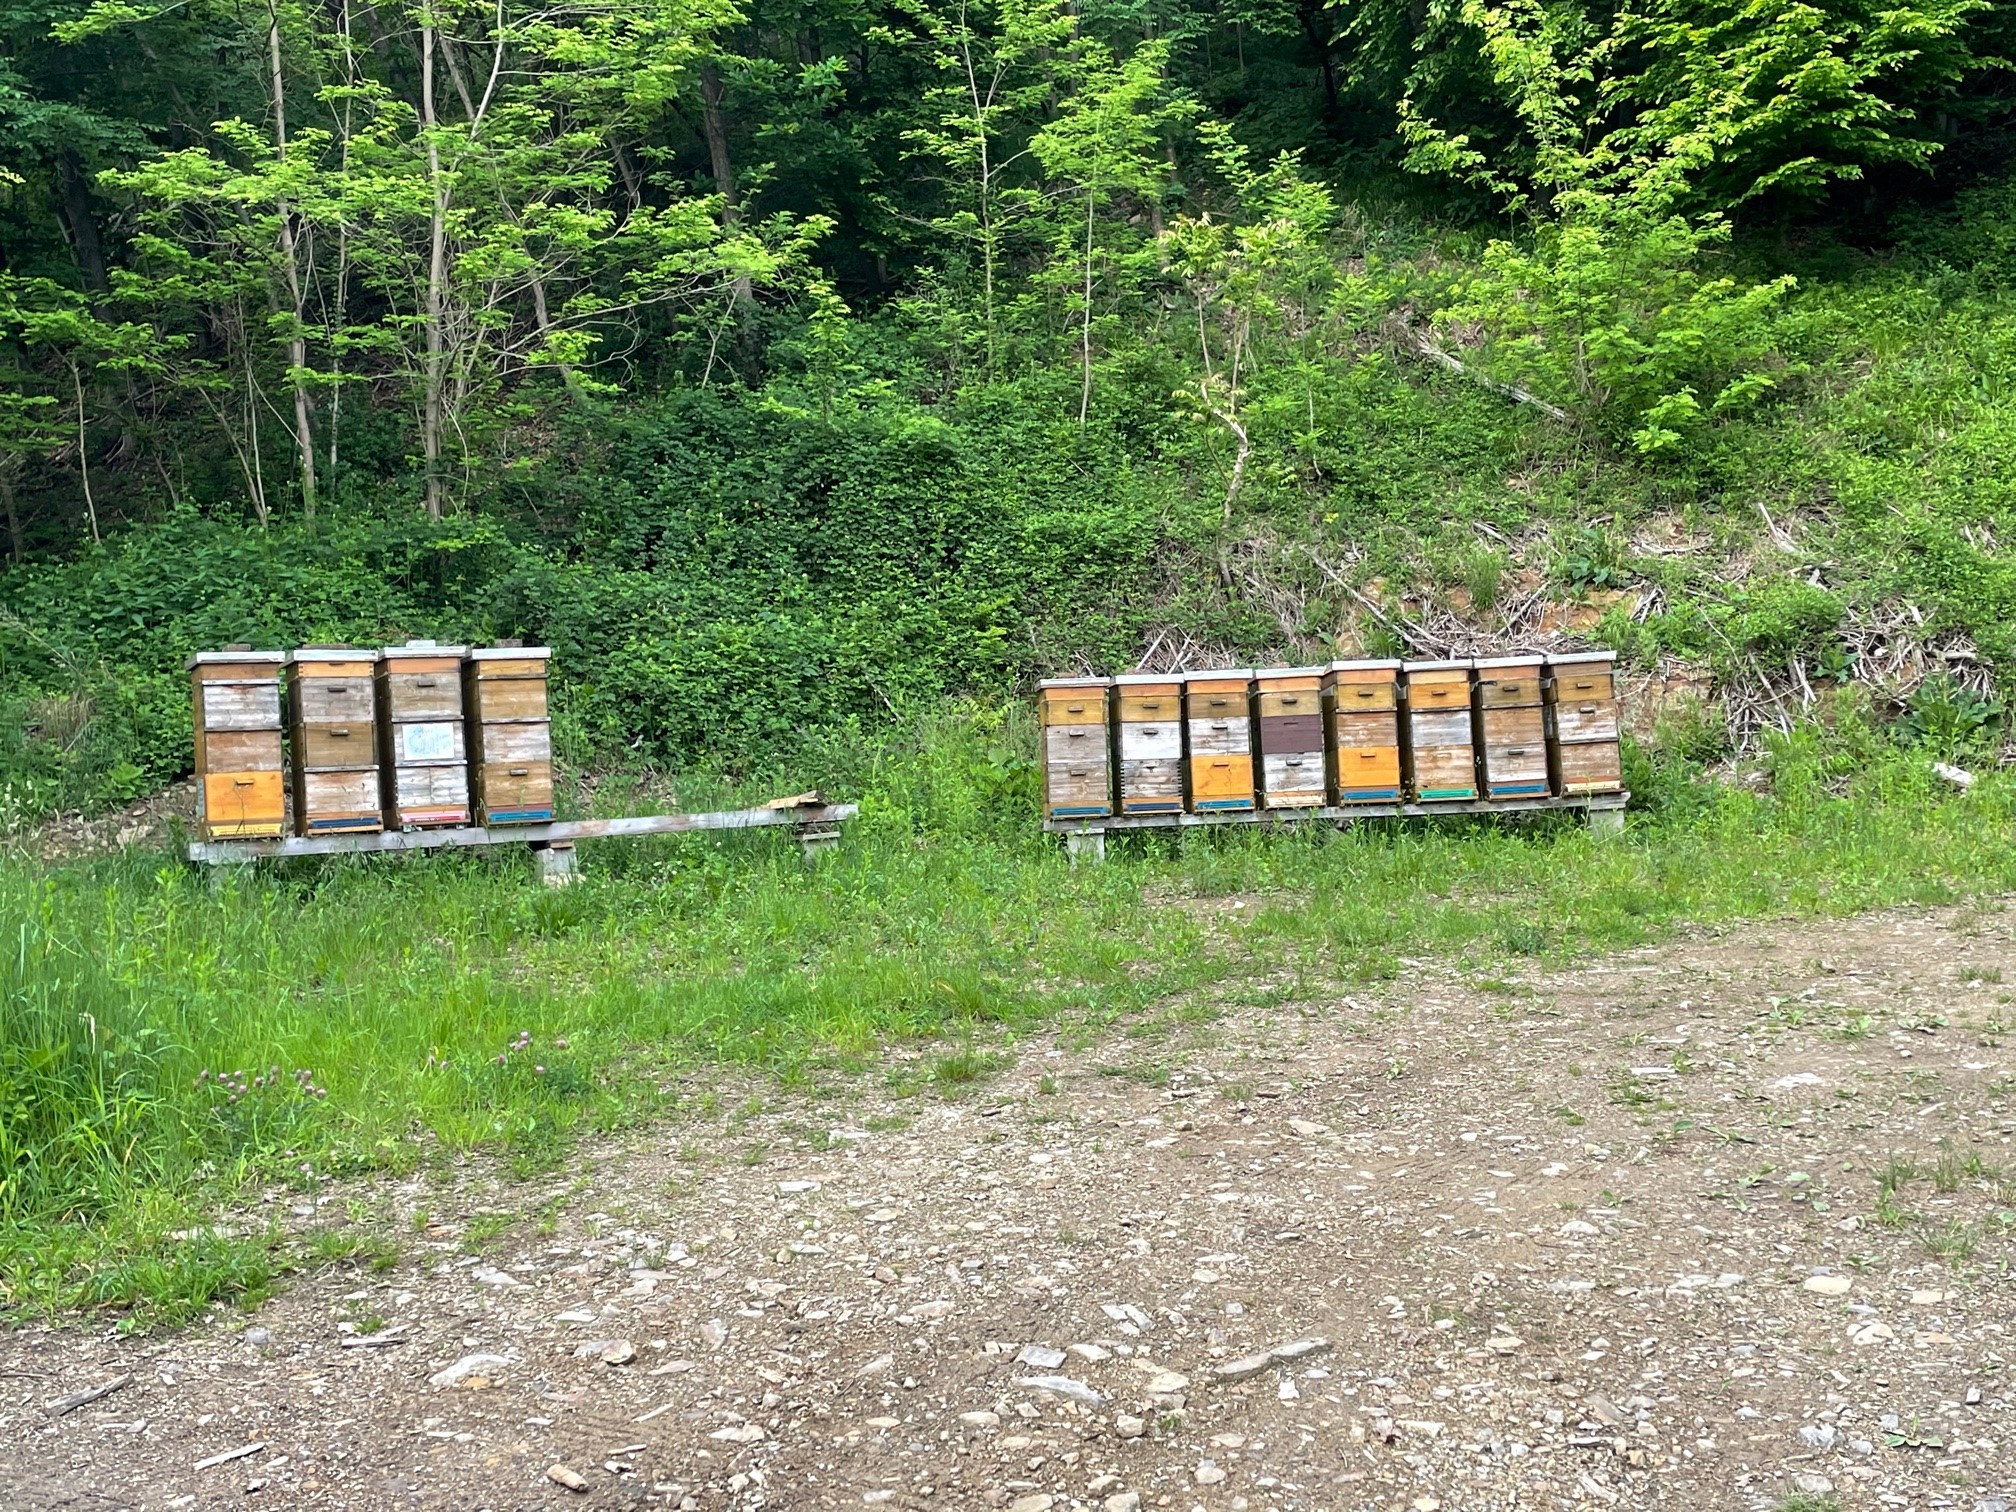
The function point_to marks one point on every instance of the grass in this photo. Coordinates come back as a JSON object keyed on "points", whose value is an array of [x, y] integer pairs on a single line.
{"points": [[166, 1048]]}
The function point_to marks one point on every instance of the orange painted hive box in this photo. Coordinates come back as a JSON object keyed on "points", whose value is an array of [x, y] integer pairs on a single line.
{"points": [[1361, 700], [241, 785], [1218, 729]]}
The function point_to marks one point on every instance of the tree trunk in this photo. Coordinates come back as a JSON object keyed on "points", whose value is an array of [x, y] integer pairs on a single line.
{"points": [[84, 457], [82, 225], [16, 550], [297, 340], [1085, 330], [715, 127], [437, 277]]}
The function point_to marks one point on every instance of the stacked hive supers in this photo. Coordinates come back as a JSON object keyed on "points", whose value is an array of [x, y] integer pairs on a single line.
{"points": [[1364, 705], [1503, 729], [1150, 723], [510, 736], [1293, 770], [336, 785], [1440, 735], [1582, 697], [240, 778], [420, 730], [1076, 766], [1218, 724], [1514, 727]]}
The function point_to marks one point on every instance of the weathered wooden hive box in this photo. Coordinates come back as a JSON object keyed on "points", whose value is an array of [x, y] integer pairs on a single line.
{"points": [[1293, 770], [1362, 700], [334, 730], [1582, 742], [1513, 724], [1077, 765], [1441, 749], [1149, 720], [241, 788], [1218, 722], [510, 733], [423, 747]]}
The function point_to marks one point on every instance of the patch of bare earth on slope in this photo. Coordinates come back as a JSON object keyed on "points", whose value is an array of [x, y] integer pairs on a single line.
{"points": [[1610, 1235]]}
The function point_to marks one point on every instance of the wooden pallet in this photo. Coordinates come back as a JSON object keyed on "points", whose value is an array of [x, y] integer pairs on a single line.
{"points": [[1086, 838], [817, 825]]}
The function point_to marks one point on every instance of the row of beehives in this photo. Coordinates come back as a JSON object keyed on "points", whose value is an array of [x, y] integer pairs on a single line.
{"points": [[1374, 732], [411, 737]]}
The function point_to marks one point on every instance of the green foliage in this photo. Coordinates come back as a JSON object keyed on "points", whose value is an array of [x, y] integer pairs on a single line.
{"points": [[1950, 721]]}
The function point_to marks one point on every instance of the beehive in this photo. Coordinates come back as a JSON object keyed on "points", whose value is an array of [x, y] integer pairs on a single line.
{"points": [[1149, 722], [510, 738], [1441, 750], [1512, 725], [422, 747], [1583, 751], [240, 776], [1362, 702], [1077, 770], [1218, 725], [1293, 771], [334, 735]]}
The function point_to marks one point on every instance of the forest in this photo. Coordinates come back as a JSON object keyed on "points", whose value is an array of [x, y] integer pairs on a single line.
{"points": [[792, 367]]}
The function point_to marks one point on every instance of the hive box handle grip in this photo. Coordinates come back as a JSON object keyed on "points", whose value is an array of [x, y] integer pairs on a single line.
{"points": [[521, 771]]}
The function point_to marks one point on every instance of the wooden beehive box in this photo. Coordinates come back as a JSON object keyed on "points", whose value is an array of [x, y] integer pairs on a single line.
{"points": [[423, 747], [1441, 752], [241, 787], [1293, 770], [510, 737], [1077, 765], [1582, 737], [1362, 702], [1512, 724], [1148, 718], [1218, 726], [334, 730]]}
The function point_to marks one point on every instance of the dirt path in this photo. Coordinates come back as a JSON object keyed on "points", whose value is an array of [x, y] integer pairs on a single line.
{"points": [[1607, 1236]]}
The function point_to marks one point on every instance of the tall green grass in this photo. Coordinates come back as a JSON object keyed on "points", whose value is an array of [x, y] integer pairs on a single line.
{"points": [[164, 1044]]}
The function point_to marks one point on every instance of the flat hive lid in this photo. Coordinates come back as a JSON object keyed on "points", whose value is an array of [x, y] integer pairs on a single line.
{"points": [[309, 655], [1440, 666], [1062, 683], [1148, 680], [511, 653], [1266, 674], [1574, 658], [1533, 660], [1365, 666], [240, 658], [1231, 674], [423, 648]]}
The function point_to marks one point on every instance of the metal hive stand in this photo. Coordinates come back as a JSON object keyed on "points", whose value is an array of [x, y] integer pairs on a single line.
{"points": [[1085, 839]]}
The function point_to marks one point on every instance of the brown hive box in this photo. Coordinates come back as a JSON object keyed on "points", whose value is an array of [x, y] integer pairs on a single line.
{"points": [[510, 738], [1361, 701], [1218, 725], [1149, 724], [422, 742], [1441, 753], [334, 726], [1077, 770], [1512, 726], [1293, 770], [1582, 746], [241, 786]]}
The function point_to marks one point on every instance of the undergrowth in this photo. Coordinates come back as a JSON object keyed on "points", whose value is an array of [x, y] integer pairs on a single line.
{"points": [[167, 1049]]}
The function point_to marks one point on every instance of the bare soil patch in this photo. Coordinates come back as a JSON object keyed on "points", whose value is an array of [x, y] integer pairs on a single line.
{"points": [[1608, 1234]]}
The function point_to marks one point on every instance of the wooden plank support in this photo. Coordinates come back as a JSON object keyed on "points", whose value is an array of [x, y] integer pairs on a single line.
{"points": [[553, 836], [1085, 839]]}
